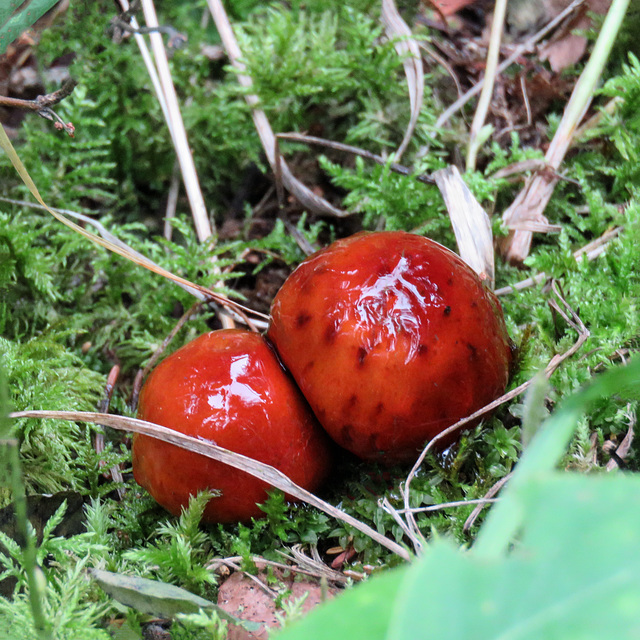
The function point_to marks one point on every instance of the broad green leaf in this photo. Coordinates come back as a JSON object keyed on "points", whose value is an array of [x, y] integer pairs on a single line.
{"points": [[574, 574], [362, 612], [24, 15], [545, 451], [158, 598]]}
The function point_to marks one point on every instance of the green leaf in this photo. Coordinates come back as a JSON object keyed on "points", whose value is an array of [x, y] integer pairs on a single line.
{"points": [[25, 15], [545, 451], [362, 612], [158, 598], [576, 573]]}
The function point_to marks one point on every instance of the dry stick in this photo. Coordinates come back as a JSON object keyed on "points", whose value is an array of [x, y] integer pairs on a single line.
{"points": [[239, 311], [623, 450], [475, 140], [305, 196], [448, 505], [532, 200], [591, 251], [488, 497], [408, 48], [362, 153], [172, 201], [523, 48], [259, 470], [332, 575], [583, 333], [187, 166], [42, 104]]}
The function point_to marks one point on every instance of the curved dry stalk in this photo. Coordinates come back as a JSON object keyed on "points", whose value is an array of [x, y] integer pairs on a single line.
{"points": [[571, 317], [481, 502], [468, 523], [260, 470], [475, 137], [121, 248], [531, 202], [303, 194], [591, 251], [407, 47], [520, 50], [362, 153]]}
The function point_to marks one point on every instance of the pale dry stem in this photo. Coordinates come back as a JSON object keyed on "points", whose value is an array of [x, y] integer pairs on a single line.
{"points": [[561, 306], [304, 195], [264, 472]]}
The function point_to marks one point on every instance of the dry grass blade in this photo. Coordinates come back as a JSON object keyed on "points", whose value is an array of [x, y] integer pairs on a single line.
{"points": [[591, 251], [181, 144], [257, 469], [406, 46], [119, 247], [470, 222], [473, 516], [476, 137], [304, 195], [519, 51], [560, 305], [362, 153], [534, 197]]}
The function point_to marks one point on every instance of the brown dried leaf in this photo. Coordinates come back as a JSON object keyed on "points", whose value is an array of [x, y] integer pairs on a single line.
{"points": [[240, 596]]}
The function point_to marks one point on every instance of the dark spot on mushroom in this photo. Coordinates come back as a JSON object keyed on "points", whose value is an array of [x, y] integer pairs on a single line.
{"points": [[331, 331], [474, 352], [474, 304], [362, 354], [422, 350], [308, 366], [450, 281], [378, 410], [302, 319], [351, 402], [447, 310]]}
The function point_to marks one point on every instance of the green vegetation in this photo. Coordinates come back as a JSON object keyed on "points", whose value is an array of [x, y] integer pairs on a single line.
{"points": [[69, 310]]}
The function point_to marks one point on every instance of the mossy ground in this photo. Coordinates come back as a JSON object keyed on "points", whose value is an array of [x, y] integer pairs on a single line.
{"points": [[69, 311]]}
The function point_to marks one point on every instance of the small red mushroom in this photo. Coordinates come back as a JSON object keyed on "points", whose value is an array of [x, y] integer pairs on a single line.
{"points": [[391, 338], [229, 388]]}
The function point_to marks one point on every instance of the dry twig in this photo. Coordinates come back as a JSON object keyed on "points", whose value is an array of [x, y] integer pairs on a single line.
{"points": [[264, 472], [305, 196], [561, 306], [42, 105], [532, 200], [488, 497], [408, 48]]}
